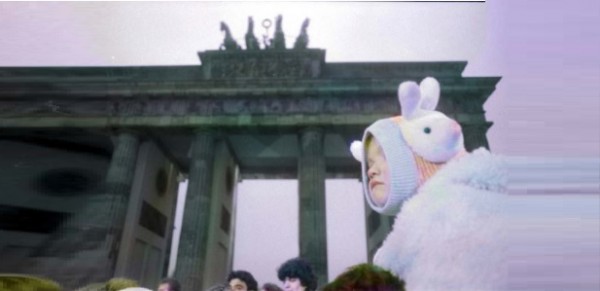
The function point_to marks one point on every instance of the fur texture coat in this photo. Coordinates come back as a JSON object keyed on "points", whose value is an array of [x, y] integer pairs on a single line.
{"points": [[449, 235]]}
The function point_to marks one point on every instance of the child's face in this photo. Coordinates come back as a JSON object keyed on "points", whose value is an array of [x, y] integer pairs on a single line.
{"points": [[237, 285], [377, 173], [292, 284]]}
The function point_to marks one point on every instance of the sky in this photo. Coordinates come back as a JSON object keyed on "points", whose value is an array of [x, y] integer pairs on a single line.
{"points": [[547, 103]]}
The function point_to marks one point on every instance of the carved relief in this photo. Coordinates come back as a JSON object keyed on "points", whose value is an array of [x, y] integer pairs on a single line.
{"points": [[282, 67], [52, 108], [206, 106], [235, 107]]}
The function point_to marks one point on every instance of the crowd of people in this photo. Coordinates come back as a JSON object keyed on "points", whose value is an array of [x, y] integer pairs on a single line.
{"points": [[295, 274]]}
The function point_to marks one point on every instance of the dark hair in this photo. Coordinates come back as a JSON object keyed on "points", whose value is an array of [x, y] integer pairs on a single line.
{"points": [[173, 284], [244, 276], [271, 287], [365, 277], [298, 268]]}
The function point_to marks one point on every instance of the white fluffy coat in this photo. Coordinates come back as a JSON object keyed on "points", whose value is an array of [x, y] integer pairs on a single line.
{"points": [[448, 236]]}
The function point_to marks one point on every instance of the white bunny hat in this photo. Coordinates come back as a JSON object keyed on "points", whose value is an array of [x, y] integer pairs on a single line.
{"points": [[402, 170], [415, 144]]}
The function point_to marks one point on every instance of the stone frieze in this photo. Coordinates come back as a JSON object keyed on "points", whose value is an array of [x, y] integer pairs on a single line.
{"points": [[191, 106]]}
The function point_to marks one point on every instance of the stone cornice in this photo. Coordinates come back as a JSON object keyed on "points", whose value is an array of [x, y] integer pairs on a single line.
{"points": [[384, 70], [66, 89], [290, 120]]}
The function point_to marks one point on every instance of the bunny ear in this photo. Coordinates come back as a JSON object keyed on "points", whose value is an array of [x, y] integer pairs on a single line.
{"points": [[356, 148], [430, 93], [409, 95]]}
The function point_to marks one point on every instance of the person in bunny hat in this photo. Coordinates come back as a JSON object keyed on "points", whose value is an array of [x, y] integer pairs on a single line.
{"points": [[447, 234]]}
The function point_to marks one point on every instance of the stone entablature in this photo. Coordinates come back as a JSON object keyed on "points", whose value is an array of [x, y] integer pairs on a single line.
{"points": [[280, 88], [482, 87]]}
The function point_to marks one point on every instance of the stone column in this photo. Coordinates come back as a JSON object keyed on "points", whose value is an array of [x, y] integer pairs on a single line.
{"points": [[191, 256], [85, 247], [119, 180], [311, 182]]}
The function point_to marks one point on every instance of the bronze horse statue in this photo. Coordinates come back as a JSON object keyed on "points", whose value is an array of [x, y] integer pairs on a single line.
{"points": [[228, 43], [302, 39], [279, 38], [251, 41]]}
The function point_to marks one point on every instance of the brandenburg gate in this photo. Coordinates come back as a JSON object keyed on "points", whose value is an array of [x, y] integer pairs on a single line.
{"points": [[92, 155]]}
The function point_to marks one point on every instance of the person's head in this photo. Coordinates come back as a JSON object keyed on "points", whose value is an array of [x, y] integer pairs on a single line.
{"points": [[391, 171], [297, 275], [414, 147], [242, 281], [378, 174], [169, 284], [270, 287], [365, 277]]}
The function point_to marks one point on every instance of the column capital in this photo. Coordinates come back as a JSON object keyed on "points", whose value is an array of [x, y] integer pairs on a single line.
{"points": [[203, 143], [125, 130], [312, 128], [206, 130], [311, 141], [116, 135], [311, 132]]}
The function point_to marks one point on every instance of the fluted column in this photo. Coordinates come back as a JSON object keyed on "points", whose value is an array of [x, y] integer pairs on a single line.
{"points": [[191, 257], [119, 180], [311, 182]]}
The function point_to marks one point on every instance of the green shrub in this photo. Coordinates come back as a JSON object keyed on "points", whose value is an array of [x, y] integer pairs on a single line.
{"points": [[16, 282]]}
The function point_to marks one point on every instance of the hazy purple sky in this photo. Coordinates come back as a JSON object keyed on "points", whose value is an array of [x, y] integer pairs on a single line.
{"points": [[547, 52], [547, 103]]}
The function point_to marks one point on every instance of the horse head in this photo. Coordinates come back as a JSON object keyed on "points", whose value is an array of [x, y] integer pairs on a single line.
{"points": [[224, 27], [250, 24]]}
